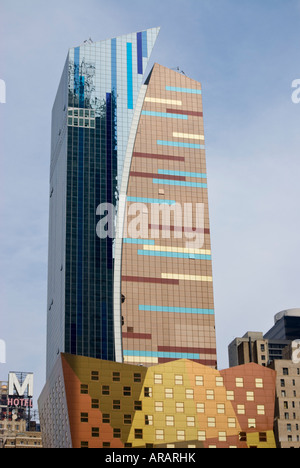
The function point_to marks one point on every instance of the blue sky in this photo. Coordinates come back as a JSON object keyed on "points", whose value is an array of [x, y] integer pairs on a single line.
{"points": [[246, 53]]}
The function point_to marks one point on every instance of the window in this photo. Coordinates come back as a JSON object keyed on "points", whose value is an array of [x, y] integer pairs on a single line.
{"points": [[95, 403], [138, 433], [95, 432], [84, 444], [95, 375], [282, 382], [231, 422], [190, 421], [116, 377], [127, 391], [200, 408], [148, 392], [243, 437], [137, 378], [84, 389], [251, 423], [117, 433], [219, 382], [259, 383], [260, 409], [138, 406], [158, 378], [230, 395], [105, 390], [169, 420], [285, 371], [222, 436], [116, 404], [159, 406], [239, 382], [106, 445], [180, 435], [250, 396], [127, 445], [148, 420], [201, 436], [179, 407], [199, 380], [178, 380], [210, 395], [84, 417], [168, 392], [221, 408], [189, 394], [106, 418], [262, 437], [211, 422], [159, 434]]}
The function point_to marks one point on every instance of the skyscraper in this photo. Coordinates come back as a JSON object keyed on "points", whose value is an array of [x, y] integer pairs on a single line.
{"points": [[131, 347], [133, 149]]}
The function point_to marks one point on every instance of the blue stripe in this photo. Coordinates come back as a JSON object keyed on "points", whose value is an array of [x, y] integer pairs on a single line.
{"points": [[161, 354], [151, 200], [182, 173], [183, 90], [76, 70], [114, 65], [139, 53], [180, 144], [129, 76], [145, 43], [165, 114], [139, 241], [152, 253], [181, 310], [179, 183]]}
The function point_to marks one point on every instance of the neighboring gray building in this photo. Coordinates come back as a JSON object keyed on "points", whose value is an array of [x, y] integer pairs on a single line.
{"points": [[263, 349]]}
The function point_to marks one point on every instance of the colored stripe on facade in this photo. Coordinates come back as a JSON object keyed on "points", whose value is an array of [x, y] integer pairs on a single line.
{"points": [[162, 227], [114, 65], [165, 114], [139, 241], [182, 173], [179, 183], [141, 279], [151, 200], [129, 76], [207, 279], [179, 310], [180, 144], [151, 176], [139, 43], [151, 253], [161, 354], [183, 90], [186, 112], [158, 156]]}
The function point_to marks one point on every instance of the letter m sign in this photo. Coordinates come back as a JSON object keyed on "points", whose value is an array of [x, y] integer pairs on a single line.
{"points": [[14, 384]]}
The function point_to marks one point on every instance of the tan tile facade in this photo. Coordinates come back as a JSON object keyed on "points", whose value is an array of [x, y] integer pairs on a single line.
{"points": [[168, 312]]}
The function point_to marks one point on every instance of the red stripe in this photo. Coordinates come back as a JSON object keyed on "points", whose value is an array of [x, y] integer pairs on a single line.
{"points": [[158, 156], [185, 112], [139, 279], [176, 349], [156, 176], [137, 336]]}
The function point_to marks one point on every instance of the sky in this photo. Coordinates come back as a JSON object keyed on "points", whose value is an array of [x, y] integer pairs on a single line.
{"points": [[246, 54]]}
